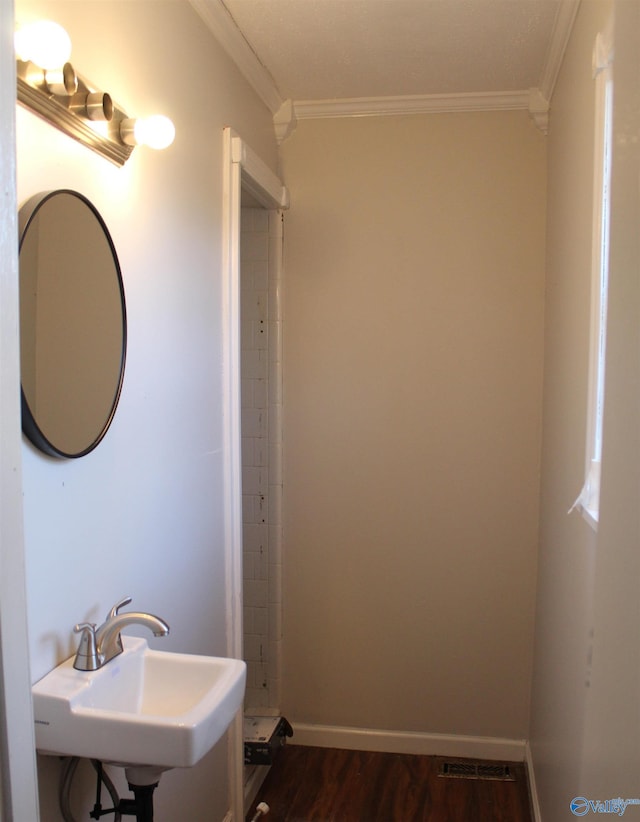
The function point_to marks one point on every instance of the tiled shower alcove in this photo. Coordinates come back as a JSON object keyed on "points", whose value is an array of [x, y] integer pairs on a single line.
{"points": [[261, 369]]}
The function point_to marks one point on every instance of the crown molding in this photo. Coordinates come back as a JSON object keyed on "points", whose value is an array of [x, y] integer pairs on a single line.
{"points": [[539, 109], [223, 27], [411, 104], [285, 121], [563, 24]]}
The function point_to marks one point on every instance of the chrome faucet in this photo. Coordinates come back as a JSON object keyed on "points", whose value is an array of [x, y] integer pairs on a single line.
{"points": [[98, 646]]}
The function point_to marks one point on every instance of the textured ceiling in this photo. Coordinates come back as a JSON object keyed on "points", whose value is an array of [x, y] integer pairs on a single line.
{"points": [[327, 49]]}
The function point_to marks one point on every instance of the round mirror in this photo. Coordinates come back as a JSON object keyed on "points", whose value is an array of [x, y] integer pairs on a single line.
{"points": [[73, 325]]}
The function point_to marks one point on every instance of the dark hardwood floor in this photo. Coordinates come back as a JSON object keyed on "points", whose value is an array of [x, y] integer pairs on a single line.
{"points": [[330, 785]]}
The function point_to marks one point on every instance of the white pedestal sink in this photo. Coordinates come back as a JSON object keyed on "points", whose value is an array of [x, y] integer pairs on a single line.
{"points": [[143, 708]]}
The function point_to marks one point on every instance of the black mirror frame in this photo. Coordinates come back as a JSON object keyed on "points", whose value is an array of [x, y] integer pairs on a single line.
{"points": [[30, 427]]}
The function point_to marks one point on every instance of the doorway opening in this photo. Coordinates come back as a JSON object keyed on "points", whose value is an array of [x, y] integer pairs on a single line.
{"points": [[261, 431], [253, 480]]}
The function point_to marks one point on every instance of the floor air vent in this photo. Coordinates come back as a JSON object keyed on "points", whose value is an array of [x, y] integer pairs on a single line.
{"points": [[477, 770]]}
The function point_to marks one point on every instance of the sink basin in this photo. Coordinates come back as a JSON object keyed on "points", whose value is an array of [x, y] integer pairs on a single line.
{"points": [[144, 707]]}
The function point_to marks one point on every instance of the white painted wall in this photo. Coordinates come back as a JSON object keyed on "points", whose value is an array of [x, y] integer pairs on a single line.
{"points": [[414, 268], [143, 514], [585, 687]]}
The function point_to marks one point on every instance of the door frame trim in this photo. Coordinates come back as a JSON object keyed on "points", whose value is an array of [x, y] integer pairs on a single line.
{"points": [[242, 169]]}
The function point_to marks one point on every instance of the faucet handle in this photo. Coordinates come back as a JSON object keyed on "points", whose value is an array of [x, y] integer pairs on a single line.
{"points": [[87, 657], [113, 612]]}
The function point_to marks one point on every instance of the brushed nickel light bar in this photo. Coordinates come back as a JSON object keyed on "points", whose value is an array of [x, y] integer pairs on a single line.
{"points": [[49, 85]]}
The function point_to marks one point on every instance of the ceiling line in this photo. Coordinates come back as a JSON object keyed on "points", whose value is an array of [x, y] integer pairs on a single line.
{"points": [[565, 18], [219, 21], [224, 28]]}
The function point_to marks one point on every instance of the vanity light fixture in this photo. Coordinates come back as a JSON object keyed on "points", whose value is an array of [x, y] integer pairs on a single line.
{"points": [[49, 86]]}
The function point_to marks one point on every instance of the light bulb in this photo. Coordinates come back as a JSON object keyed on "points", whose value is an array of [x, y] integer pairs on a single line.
{"points": [[156, 132], [44, 43]]}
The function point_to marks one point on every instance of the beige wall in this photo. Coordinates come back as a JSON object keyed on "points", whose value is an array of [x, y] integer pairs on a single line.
{"points": [[612, 743], [413, 373], [585, 687], [567, 543], [143, 514]]}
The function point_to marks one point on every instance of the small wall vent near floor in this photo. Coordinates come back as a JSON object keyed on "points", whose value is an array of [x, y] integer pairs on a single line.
{"points": [[476, 770]]}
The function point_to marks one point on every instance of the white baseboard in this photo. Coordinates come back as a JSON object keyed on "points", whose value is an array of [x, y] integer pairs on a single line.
{"points": [[533, 792], [371, 739]]}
